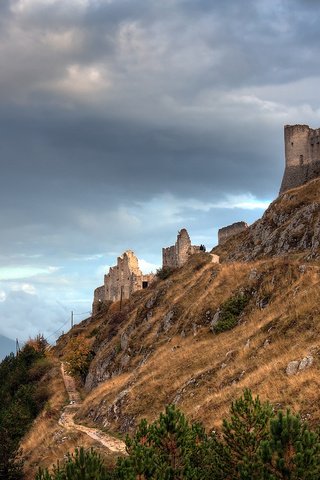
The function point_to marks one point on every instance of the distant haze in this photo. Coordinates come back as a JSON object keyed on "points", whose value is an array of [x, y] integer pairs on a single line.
{"points": [[122, 122], [6, 346]]}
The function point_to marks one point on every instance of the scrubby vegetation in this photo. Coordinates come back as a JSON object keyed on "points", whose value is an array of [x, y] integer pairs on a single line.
{"points": [[164, 272], [78, 356], [22, 397], [230, 312], [82, 465], [255, 443]]}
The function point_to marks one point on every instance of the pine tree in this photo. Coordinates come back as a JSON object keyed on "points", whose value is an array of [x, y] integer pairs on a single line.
{"points": [[81, 465], [292, 452], [168, 449], [243, 433], [10, 457]]}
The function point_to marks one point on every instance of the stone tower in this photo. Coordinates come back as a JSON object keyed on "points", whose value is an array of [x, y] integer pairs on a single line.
{"points": [[177, 255], [302, 152]]}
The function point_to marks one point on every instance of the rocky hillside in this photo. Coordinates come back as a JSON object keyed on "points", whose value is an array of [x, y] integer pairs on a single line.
{"points": [[291, 225], [208, 331]]}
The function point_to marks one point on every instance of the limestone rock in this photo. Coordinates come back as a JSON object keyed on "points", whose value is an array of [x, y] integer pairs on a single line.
{"points": [[167, 320], [292, 367], [306, 362], [215, 320], [298, 365], [214, 258]]}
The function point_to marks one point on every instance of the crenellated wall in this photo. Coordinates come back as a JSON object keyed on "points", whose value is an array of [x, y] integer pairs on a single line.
{"points": [[121, 281], [125, 278]]}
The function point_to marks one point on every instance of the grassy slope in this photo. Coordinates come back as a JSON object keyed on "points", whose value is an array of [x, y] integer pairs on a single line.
{"points": [[202, 371], [47, 442], [183, 361]]}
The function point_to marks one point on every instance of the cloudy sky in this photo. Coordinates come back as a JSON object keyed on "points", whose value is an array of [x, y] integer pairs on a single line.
{"points": [[122, 121]]}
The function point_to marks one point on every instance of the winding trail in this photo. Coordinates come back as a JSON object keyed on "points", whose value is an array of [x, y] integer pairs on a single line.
{"points": [[67, 418]]}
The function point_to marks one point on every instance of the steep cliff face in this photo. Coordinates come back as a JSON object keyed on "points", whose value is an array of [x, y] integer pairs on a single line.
{"points": [[290, 226]]}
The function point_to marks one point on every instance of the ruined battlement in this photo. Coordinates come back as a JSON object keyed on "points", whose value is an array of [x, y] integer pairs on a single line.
{"points": [[302, 154], [227, 232], [121, 281], [177, 255], [98, 299]]}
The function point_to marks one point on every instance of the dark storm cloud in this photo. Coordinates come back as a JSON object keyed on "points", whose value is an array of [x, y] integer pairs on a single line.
{"points": [[123, 121]]}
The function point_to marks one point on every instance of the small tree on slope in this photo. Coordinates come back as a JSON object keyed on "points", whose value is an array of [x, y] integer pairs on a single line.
{"points": [[292, 451], [243, 434]]}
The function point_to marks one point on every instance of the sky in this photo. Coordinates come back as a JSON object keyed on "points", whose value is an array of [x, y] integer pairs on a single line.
{"points": [[123, 121]]}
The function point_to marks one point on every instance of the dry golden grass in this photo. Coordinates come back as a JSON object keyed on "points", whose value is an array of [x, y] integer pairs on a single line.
{"points": [[47, 441], [197, 371], [184, 362]]}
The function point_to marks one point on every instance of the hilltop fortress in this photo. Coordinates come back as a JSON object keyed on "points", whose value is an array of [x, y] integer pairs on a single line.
{"points": [[302, 157], [125, 278], [302, 153]]}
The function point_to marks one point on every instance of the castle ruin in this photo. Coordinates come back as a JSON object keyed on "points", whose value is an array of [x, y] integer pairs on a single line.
{"points": [[177, 255], [121, 281], [227, 232], [302, 153]]}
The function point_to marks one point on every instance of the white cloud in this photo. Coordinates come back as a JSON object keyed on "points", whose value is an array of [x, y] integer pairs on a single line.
{"points": [[24, 287], [147, 267], [26, 6], [14, 273], [79, 80]]}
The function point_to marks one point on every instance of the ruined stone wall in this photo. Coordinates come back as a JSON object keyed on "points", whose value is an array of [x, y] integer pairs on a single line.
{"points": [[98, 299], [125, 278], [169, 257], [177, 255], [227, 232], [302, 153]]}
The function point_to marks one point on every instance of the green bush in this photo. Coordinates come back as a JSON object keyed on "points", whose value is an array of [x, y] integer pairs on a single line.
{"points": [[230, 312], [164, 272], [81, 465], [22, 398]]}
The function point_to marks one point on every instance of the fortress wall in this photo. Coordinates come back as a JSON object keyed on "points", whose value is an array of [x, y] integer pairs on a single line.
{"points": [[125, 278], [169, 257], [227, 232], [177, 255], [183, 247], [302, 153], [98, 299]]}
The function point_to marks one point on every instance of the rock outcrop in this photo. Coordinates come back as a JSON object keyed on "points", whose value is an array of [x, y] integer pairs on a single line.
{"points": [[291, 224]]}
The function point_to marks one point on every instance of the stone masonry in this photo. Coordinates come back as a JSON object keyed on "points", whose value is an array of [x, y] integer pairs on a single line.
{"points": [[227, 232], [98, 299], [121, 281], [302, 152], [177, 255]]}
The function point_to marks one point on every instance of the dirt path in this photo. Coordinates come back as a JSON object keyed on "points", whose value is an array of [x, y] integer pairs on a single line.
{"points": [[67, 418]]}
